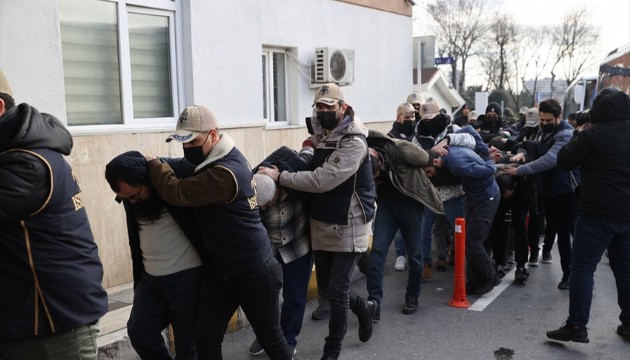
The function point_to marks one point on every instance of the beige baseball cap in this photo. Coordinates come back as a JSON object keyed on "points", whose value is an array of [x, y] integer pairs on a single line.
{"points": [[532, 118], [194, 120], [415, 98], [429, 110], [523, 110], [405, 109], [473, 115], [4, 85], [328, 94]]}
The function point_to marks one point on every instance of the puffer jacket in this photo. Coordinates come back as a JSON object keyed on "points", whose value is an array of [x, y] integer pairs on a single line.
{"points": [[50, 271], [404, 169]]}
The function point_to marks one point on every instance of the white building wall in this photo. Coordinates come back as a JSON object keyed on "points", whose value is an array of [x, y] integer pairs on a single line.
{"points": [[30, 53], [220, 45]]}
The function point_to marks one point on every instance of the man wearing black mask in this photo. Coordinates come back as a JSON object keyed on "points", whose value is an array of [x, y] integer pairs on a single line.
{"points": [[490, 124], [341, 207], [242, 269], [405, 122], [556, 188]]}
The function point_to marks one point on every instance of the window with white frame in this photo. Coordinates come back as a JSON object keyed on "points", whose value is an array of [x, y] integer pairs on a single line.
{"points": [[119, 61], [275, 92]]}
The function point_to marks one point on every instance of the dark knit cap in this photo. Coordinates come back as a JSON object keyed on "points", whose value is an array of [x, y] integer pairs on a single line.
{"points": [[130, 167], [493, 107]]}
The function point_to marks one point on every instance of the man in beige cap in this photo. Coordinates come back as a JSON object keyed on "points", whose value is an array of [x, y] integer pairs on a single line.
{"points": [[341, 209], [416, 100], [50, 270], [403, 127], [242, 269]]}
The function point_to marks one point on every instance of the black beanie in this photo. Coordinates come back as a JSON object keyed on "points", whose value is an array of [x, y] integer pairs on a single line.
{"points": [[130, 167], [493, 107], [610, 104]]}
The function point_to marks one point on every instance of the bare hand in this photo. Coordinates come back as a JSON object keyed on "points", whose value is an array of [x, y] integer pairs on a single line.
{"points": [[511, 171], [520, 157], [272, 172], [441, 148]]}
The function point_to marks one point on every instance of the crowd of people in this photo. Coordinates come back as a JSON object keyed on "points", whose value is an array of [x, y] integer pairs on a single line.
{"points": [[209, 234]]}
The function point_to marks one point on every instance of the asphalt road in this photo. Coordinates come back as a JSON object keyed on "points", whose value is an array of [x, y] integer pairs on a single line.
{"points": [[512, 324]]}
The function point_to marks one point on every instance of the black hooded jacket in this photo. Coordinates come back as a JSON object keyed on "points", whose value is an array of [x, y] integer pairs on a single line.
{"points": [[603, 153], [50, 270]]}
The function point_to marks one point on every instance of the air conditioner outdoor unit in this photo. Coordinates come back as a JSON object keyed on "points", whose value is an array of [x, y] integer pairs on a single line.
{"points": [[333, 65]]}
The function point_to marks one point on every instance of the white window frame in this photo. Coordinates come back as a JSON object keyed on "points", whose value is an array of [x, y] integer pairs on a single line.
{"points": [[269, 101], [167, 8]]}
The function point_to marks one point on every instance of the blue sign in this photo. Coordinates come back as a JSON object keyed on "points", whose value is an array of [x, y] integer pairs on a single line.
{"points": [[444, 60]]}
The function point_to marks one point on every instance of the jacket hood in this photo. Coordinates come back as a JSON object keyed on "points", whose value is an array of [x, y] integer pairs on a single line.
{"points": [[24, 127], [611, 104]]}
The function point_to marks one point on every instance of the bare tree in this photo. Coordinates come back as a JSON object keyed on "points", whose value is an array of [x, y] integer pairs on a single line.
{"points": [[574, 40], [530, 54], [496, 59], [458, 26]]}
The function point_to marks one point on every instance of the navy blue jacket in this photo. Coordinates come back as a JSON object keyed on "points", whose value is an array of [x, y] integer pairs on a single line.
{"points": [[50, 271]]}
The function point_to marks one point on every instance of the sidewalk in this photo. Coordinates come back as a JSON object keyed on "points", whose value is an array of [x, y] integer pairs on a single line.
{"points": [[113, 341]]}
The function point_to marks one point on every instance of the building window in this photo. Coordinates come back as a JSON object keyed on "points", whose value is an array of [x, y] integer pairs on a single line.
{"points": [[119, 62], [275, 94]]}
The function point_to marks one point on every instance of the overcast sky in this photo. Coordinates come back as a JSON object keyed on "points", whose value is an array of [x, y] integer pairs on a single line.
{"points": [[612, 17]]}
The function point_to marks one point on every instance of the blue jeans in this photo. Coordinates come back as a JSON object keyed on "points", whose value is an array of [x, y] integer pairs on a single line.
{"points": [[158, 301], [399, 243], [453, 209], [295, 275], [592, 238], [479, 217], [404, 214]]}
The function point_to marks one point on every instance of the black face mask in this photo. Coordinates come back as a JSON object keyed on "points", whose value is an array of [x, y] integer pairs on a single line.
{"points": [[327, 119], [194, 154], [433, 127], [492, 118], [547, 128], [406, 127]]}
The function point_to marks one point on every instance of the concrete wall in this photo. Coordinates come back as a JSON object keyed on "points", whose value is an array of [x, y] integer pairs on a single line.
{"points": [[220, 66]]}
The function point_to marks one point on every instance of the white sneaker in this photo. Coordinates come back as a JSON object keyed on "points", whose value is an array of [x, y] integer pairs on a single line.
{"points": [[401, 261]]}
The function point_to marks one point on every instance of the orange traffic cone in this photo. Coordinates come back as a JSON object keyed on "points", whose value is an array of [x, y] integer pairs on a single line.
{"points": [[459, 283]]}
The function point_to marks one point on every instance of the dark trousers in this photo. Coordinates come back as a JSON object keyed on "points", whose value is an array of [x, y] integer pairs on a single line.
{"points": [[592, 238], [334, 271], [162, 300], [296, 275], [257, 292], [479, 217], [560, 213], [497, 241]]}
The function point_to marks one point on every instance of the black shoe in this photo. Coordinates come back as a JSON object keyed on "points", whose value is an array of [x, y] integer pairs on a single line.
{"points": [[411, 305], [366, 317], [547, 259], [624, 331], [320, 313], [487, 286], [501, 271], [569, 333], [564, 284], [521, 274], [377, 314]]}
